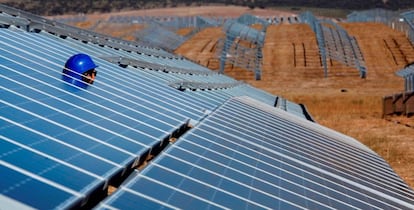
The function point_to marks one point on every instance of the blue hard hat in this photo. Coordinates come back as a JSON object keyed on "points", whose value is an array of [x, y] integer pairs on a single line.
{"points": [[75, 66]]}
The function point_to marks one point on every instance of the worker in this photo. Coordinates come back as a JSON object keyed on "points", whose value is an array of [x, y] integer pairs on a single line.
{"points": [[80, 70]]}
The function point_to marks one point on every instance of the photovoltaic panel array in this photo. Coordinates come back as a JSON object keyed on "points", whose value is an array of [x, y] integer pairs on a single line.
{"points": [[201, 81], [59, 137], [69, 142], [62, 145], [249, 155]]}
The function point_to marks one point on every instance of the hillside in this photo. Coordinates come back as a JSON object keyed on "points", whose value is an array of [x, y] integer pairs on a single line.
{"points": [[56, 7]]}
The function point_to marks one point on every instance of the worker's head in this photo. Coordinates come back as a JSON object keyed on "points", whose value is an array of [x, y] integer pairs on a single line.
{"points": [[80, 70]]}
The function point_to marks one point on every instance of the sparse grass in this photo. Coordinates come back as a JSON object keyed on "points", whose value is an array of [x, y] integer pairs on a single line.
{"points": [[86, 24]]}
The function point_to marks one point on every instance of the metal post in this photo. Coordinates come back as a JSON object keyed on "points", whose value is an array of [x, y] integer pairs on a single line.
{"points": [[227, 44]]}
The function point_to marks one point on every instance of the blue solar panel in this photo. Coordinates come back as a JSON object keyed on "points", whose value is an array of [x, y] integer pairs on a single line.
{"points": [[145, 87], [20, 187], [247, 155], [131, 198], [62, 145], [52, 169], [57, 120], [91, 136]]}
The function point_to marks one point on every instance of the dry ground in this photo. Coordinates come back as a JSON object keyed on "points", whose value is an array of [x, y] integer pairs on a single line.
{"points": [[292, 69]]}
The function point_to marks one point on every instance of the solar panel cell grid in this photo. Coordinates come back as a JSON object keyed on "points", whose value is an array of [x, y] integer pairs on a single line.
{"points": [[188, 100], [68, 142], [134, 199], [333, 146], [20, 185], [160, 74], [167, 196], [110, 126], [64, 119], [324, 154], [50, 80], [53, 170], [167, 101], [256, 164], [265, 166], [26, 121], [59, 149]]}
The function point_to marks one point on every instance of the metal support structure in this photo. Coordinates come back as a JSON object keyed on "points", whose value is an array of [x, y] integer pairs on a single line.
{"points": [[160, 37], [359, 60], [160, 32], [248, 19], [408, 74], [242, 47], [203, 22], [224, 52], [402, 22], [334, 42], [408, 18], [373, 15], [313, 22], [258, 67], [346, 47]]}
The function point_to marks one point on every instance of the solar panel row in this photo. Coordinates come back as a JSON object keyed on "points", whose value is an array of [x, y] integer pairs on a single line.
{"points": [[246, 155], [71, 142], [52, 133], [61, 145]]}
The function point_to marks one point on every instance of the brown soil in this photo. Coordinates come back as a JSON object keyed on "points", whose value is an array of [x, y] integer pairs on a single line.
{"points": [[342, 101]]}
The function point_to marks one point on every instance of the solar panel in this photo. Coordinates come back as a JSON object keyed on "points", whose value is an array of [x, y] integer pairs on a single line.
{"points": [[127, 83], [247, 155], [406, 72], [112, 126], [69, 143], [68, 181]]}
